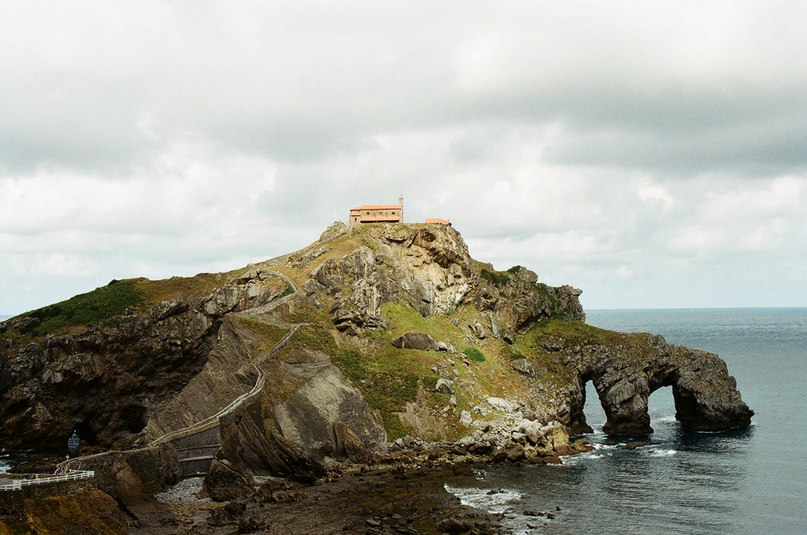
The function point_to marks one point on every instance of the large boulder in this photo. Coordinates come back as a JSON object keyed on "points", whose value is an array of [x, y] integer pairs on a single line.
{"points": [[416, 340], [225, 483]]}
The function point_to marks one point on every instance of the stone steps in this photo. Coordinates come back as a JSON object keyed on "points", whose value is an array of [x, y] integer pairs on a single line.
{"points": [[194, 466]]}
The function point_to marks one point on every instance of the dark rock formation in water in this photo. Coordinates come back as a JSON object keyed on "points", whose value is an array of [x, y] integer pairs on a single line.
{"points": [[627, 368]]}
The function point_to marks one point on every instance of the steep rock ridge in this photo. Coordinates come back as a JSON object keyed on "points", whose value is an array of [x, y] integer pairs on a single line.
{"points": [[107, 378], [224, 377], [429, 268]]}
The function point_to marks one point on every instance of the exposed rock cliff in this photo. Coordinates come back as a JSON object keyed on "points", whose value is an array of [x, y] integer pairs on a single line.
{"points": [[370, 334]]}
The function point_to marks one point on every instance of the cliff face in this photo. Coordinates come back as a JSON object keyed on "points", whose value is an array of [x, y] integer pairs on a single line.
{"points": [[369, 334]]}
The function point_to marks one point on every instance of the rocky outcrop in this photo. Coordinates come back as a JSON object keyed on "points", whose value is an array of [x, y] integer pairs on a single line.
{"points": [[429, 269], [706, 396], [515, 298], [254, 444], [292, 435], [626, 369], [309, 415], [224, 483], [101, 381]]}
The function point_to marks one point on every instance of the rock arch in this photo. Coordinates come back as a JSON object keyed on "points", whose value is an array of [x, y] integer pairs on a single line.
{"points": [[705, 395]]}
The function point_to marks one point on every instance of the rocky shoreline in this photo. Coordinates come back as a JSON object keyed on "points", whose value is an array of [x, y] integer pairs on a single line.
{"points": [[372, 502], [400, 491]]}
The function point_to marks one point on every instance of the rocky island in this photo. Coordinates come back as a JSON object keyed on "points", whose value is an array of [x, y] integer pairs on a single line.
{"points": [[378, 349]]}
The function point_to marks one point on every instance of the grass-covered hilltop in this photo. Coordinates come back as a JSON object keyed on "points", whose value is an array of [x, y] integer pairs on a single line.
{"points": [[373, 340]]}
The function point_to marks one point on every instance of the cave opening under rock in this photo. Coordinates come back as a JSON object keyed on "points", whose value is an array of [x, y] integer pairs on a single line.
{"points": [[661, 409]]}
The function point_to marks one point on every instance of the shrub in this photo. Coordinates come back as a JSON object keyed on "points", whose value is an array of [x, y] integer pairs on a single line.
{"points": [[494, 277], [288, 291], [474, 354]]}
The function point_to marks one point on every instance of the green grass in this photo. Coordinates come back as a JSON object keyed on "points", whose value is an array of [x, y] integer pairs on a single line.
{"points": [[402, 318], [474, 353], [386, 391], [288, 291], [154, 291], [267, 335], [516, 356], [314, 337], [91, 307], [430, 382]]}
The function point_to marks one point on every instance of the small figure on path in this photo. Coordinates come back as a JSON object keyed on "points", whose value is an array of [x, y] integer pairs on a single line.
{"points": [[73, 444]]}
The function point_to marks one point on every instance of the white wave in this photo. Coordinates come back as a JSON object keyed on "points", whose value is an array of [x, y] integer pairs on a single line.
{"points": [[489, 500], [595, 454], [661, 452]]}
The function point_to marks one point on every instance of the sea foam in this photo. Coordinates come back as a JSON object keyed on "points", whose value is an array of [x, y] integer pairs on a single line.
{"points": [[489, 500]]}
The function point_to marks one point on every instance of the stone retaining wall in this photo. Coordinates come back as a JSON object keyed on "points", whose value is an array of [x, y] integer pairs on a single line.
{"points": [[141, 470], [16, 488]]}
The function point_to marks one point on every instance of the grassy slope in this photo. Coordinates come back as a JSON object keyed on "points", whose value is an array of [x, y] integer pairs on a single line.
{"points": [[105, 303], [391, 377]]}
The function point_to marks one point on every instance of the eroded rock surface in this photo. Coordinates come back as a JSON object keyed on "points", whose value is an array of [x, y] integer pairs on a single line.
{"points": [[631, 367]]}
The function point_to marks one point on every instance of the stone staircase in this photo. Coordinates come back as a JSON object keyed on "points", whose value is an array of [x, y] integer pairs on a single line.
{"points": [[196, 445], [196, 452]]}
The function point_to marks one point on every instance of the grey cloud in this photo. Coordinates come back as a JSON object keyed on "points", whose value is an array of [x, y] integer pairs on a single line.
{"points": [[751, 150], [234, 133]]}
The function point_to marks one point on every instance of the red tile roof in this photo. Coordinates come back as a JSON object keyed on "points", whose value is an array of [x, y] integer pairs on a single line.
{"points": [[377, 207]]}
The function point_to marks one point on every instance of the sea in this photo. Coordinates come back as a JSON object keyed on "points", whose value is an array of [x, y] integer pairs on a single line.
{"points": [[744, 481]]}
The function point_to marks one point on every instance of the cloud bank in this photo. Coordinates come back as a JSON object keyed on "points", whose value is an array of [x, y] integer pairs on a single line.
{"points": [[652, 154]]}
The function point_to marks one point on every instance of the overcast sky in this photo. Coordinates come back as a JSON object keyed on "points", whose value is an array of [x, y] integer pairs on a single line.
{"points": [[653, 154]]}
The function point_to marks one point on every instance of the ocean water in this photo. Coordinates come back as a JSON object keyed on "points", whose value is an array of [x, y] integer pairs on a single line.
{"points": [[745, 481]]}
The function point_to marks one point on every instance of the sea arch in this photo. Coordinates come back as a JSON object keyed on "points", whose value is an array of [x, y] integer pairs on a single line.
{"points": [[704, 394]]}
